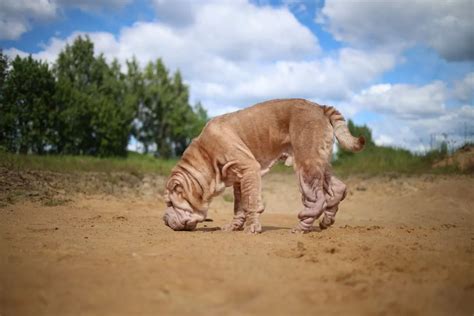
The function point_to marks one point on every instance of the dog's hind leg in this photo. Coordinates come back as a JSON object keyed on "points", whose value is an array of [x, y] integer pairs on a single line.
{"points": [[311, 137], [238, 221], [313, 198], [336, 192]]}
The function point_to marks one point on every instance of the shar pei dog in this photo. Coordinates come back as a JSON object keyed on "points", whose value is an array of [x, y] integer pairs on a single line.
{"points": [[236, 149]]}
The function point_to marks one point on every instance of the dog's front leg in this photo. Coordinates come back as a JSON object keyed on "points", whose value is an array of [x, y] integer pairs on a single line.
{"points": [[239, 215], [251, 200], [338, 193]]}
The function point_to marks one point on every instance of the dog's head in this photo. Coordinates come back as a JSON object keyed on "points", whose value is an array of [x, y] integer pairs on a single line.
{"points": [[185, 206]]}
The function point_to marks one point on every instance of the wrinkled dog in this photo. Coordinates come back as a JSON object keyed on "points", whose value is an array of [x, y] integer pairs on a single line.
{"points": [[236, 149]]}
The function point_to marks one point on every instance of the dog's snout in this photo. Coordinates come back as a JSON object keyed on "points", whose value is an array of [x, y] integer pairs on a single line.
{"points": [[188, 225], [171, 220], [165, 219], [180, 220]]}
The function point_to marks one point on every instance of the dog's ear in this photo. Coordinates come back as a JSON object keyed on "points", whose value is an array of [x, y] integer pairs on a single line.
{"points": [[174, 185], [226, 167], [174, 190]]}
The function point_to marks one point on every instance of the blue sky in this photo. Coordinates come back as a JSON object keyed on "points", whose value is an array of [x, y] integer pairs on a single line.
{"points": [[404, 68]]}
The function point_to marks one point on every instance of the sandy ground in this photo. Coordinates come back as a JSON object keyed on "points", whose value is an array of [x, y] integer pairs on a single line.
{"points": [[400, 246]]}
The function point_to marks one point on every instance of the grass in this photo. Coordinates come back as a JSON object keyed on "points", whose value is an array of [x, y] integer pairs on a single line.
{"points": [[372, 161], [382, 160], [137, 164], [377, 160]]}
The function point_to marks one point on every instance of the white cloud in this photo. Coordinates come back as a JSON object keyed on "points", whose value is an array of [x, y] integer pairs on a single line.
{"points": [[446, 26], [94, 5], [232, 64], [217, 52], [13, 52], [384, 140], [454, 125], [218, 32], [103, 43], [236, 28], [403, 100], [17, 16], [464, 89], [409, 116], [330, 78], [177, 12]]}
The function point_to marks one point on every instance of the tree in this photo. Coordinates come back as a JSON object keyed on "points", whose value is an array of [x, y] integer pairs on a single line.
{"points": [[4, 118], [154, 111], [115, 110], [186, 122], [74, 70], [3, 69], [199, 121], [97, 105], [165, 119], [28, 107], [88, 106]]}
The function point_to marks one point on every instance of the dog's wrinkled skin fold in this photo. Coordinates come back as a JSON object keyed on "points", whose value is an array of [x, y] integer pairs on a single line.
{"points": [[236, 149]]}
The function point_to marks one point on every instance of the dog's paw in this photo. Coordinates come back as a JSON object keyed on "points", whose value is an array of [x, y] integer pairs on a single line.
{"points": [[326, 222], [254, 228], [297, 230], [300, 230], [231, 227]]}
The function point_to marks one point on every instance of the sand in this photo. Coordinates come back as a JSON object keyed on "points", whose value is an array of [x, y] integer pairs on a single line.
{"points": [[400, 246]]}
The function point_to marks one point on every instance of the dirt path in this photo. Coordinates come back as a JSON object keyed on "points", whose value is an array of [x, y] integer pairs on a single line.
{"points": [[400, 246]]}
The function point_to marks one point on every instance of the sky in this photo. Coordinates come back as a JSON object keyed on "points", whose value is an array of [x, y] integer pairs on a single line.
{"points": [[404, 68]]}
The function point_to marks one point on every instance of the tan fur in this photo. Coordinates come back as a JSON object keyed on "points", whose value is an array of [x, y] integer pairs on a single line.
{"points": [[342, 133], [235, 149]]}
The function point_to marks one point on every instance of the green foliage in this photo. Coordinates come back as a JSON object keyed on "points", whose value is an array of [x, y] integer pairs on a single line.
{"points": [[3, 70], [437, 154], [97, 106], [375, 160], [87, 106], [380, 159], [134, 163], [5, 118], [165, 119], [27, 106]]}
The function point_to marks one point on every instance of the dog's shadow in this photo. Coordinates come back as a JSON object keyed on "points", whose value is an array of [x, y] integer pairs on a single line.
{"points": [[270, 228], [264, 228], [208, 229]]}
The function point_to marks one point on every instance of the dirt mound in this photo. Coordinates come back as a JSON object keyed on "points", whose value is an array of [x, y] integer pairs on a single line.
{"points": [[463, 159], [53, 188]]}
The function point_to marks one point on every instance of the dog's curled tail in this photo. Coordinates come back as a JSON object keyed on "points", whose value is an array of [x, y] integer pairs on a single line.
{"points": [[341, 131]]}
